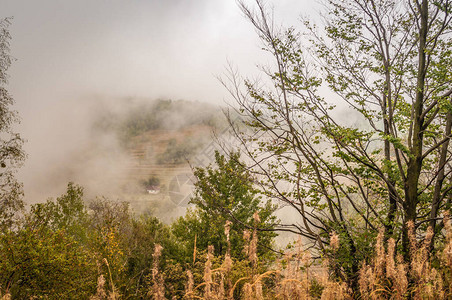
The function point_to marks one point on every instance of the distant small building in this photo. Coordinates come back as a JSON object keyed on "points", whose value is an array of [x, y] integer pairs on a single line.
{"points": [[153, 189]]}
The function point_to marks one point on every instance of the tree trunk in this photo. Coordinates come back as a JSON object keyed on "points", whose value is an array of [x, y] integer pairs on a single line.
{"points": [[415, 160], [436, 201]]}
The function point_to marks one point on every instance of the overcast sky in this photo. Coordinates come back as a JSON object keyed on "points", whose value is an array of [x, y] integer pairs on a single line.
{"points": [[69, 50], [166, 48]]}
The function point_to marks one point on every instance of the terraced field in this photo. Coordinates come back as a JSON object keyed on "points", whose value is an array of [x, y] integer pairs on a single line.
{"points": [[145, 151]]}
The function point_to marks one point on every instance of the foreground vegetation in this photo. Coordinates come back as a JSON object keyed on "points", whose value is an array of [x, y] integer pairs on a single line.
{"points": [[66, 249]]}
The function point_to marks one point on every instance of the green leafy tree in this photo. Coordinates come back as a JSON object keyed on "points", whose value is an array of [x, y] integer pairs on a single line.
{"points": [[124, 247], [146, 232], [387, 163], [225, 192], [11, 153], [67, 212], [47, 255]]}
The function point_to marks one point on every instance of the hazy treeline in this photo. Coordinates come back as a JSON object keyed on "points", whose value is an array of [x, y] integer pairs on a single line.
{"points": [[138, 116]]}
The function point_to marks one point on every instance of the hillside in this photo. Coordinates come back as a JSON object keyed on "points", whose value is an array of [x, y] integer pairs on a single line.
{"points": [[161, 138]]}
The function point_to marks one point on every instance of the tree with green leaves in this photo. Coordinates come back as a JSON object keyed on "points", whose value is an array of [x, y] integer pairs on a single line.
{"points": [[11, 153], [60, 247], [47, 254], [387, 67], [225, 192]]}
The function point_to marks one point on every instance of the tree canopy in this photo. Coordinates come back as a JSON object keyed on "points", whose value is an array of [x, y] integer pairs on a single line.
{"points": [[11, 153], [225, 192], [385, 65]]}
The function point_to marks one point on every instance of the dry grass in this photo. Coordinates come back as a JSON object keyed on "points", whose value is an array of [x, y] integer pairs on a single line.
{"points": [[158, 289], [293, 279], [102, 293], [387, 276]]}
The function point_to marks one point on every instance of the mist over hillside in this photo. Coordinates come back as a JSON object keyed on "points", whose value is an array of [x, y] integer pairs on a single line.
{"points": [[112, 147]]}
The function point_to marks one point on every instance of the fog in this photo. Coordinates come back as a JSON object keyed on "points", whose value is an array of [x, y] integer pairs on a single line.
{"points": [[75, 59]]}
